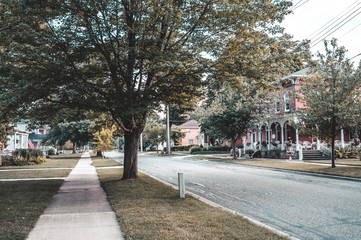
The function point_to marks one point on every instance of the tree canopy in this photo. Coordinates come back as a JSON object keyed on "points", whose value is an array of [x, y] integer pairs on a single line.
{"points": [[331, 94], [123, 57], [232, 113], [76, 132]]}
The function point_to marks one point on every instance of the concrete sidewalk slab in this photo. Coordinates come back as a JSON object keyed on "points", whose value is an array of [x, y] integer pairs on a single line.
{"points": [[80, 209]]}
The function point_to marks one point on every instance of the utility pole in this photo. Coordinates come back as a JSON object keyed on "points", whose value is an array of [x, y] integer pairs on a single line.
{"points": [[168, 132], [141, 142]]}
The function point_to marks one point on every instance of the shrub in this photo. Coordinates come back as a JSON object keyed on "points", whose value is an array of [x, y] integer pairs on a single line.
{"points": [[249, 152], [27, 157], [195, 149], [257, 154], [219, 148], [346, 152], [181, 148], [51, 151]]}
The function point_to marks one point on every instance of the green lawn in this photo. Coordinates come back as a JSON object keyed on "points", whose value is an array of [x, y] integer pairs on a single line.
{"points": [[22, 202], [148, 209]]}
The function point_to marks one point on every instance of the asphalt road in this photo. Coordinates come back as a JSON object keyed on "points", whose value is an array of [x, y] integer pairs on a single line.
{"points": [[305, 206]]}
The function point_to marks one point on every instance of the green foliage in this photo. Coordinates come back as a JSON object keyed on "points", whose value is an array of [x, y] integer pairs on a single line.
{"points": [[51, 152], [181, 148], [331, 95], [23, 157], [125, 58], [232, 112], [250, 152], [76, 132], [104, 139], [5, 130], [347, 152], [195, 149], [219, 148]]}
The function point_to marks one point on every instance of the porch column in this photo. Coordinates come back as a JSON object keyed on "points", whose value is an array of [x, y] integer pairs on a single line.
{"points": [[14, 141], [244, 144], [342, 138], [282, 137], [297, 140], [318, 147], [21, 140], [260, 137], [269, 137]]}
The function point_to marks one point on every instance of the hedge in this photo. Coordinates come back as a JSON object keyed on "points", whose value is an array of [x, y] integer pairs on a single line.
{"points": [[22, 157]]}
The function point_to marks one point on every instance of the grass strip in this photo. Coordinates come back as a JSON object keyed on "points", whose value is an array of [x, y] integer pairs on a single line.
{"points": [[21, 174], [354, 172], [21, 204], [148, 209], [106, 162]]}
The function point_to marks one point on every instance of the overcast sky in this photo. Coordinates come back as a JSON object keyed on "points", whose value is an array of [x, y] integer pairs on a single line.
{"points": [[311, 15]]}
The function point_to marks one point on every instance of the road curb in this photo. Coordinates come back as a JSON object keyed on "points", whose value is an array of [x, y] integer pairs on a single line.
{"points": [[211, 203]]}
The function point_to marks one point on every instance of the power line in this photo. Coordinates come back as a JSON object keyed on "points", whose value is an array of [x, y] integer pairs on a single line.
{"points": [[297, 6], [355, 56], [350, 31], [325, 26], [325, 35]]}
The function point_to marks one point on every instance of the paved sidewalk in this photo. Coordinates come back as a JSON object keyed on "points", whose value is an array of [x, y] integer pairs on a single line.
{"points": [[80, 209]]}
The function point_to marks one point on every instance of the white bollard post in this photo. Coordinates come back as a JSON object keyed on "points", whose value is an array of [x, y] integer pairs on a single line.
{"points": [[300, 153], [181, 185]]}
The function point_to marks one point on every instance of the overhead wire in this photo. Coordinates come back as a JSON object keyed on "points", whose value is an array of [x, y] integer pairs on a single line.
{"points": [[330, 22], [295, 7], [328, 33]]}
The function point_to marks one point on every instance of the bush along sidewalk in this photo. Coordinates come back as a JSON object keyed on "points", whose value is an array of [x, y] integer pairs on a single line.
{"points": [[210, 150], [21, 157]]}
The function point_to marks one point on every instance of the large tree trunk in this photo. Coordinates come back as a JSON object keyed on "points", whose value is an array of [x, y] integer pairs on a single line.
{"points": [[333, 152], [234, 149], [74, 147], [334, 132], [130, 169], [99, 154]]}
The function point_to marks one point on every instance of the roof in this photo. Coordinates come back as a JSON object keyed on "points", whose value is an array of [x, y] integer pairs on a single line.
{"points": [[190, 124], [299, 73]]}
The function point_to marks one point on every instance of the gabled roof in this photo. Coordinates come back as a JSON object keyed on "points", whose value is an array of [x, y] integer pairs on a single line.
{"points": [[299, 73], [190, 124]]}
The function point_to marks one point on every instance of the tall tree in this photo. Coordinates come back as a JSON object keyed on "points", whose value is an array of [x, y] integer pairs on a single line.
{"points": [[232, 113], [104, 139], [123, 57], [102, 125], [76, 132], [5, 130], [331, 95]]}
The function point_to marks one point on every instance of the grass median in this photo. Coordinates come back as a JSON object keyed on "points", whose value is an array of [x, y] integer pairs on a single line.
{"points": [[22, 202], [148, 209], [343, 171]]}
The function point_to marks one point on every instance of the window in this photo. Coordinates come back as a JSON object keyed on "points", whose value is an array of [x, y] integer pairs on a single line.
{"points": [[188, 130], [190, 141], [277, 107], [286, 99]]}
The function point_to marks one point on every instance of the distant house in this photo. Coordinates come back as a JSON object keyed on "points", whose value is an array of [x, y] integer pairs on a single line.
{"points": [[23, 138], [193, 135], [20, 137], [276, 131]]}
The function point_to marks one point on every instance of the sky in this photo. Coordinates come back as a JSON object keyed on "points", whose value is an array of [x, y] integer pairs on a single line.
{"points": [[313, 18]]}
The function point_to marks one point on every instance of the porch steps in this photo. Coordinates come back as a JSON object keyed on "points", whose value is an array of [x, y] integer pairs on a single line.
{"points": [[313, 155]]}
